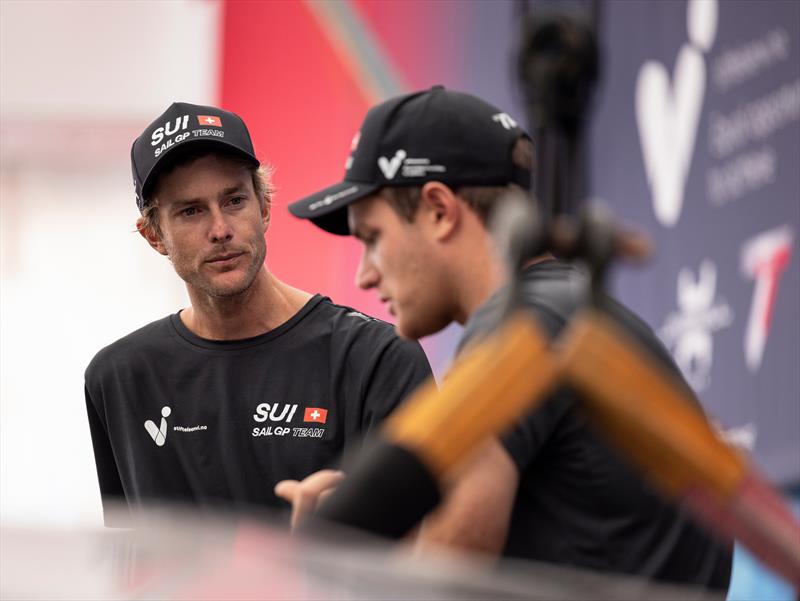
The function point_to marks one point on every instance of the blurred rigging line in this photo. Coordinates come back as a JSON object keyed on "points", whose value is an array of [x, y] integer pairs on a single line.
{"points": [[358, 48]]}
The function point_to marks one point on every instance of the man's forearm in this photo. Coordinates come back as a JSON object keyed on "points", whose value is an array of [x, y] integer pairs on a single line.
{"points": [[476, 511]]}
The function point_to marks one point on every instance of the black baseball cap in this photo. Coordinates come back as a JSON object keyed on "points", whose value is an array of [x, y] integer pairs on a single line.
{"points": [[433, 135], [185, 126]]}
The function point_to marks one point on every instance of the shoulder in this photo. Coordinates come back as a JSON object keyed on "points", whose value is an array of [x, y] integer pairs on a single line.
{"points": [[364, 337], [551, 290], [141, 341], [554, 290], [350, 324]]}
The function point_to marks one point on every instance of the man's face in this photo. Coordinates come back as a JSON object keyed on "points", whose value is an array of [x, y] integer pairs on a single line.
{"points": [[212, 226], [401, 261]]}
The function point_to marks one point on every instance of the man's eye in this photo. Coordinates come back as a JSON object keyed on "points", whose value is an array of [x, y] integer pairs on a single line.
{"points": [[237, 200], [189, 211]]}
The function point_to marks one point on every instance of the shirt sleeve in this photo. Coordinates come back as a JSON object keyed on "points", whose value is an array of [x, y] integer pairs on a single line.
{"points": [[111, 491], [526, 438], [398, 369]]}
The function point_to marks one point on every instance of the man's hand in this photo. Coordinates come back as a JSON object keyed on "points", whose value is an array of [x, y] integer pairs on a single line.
{"points": [[307, 493]]}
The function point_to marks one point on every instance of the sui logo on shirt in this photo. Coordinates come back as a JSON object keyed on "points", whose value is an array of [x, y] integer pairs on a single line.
{"points": [[280, 416]]}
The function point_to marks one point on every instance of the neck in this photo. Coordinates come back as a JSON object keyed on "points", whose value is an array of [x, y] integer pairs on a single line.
{"points": [[265, 305], [480, 275], [484, 276]]}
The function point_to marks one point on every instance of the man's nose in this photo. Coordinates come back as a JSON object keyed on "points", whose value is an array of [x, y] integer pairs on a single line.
{"points": [[220, 230], [366, 274]]}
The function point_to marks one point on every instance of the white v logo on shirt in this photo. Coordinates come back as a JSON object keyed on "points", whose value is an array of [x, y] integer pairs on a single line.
{"points": [[158, 434]]}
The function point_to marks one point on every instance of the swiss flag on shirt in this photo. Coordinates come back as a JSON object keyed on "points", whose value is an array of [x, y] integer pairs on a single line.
{"points": [[315, 414], [209, 120]]}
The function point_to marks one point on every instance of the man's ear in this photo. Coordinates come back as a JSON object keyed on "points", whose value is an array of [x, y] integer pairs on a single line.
{"points": [[440, 208], [153, 238], [265, 215]]}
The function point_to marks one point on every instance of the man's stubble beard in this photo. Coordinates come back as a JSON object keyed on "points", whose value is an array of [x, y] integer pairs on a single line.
{"points": [[250, 277], [206, 286]]}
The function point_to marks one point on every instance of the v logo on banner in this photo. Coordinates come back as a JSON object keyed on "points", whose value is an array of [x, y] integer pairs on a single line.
{"points": [[667, 115]]}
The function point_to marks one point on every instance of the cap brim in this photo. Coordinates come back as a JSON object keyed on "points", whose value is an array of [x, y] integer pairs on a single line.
{"points": [[173, 154], [328, 208]]}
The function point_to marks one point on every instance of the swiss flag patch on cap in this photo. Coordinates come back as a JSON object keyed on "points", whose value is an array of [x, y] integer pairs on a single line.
{"points": [[209, 120], [315, 414]]}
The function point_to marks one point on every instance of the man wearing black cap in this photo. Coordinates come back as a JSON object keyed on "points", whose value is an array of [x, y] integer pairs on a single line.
{"points": [[420, 184], [255, 381]]}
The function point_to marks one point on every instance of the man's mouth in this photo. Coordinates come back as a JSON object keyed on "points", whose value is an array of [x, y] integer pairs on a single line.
{"points": [[224, 258], [389, 305]]}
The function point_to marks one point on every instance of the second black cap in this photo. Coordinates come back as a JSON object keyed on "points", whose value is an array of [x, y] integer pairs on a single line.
{"points": [[434, 135]]}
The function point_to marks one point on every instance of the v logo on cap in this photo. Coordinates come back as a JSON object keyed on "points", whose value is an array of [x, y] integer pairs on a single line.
{"points": [[390, 168]]}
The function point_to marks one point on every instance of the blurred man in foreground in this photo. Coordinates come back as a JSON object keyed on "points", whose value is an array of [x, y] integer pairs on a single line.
{"points": [[254, 382], [425, 173]]}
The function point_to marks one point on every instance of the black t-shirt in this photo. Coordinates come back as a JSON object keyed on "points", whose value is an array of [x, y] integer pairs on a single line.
{"points": [[579, 502], [177, 417]]}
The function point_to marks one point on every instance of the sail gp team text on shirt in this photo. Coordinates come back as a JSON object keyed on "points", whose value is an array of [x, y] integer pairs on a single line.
{"points": [[295, 432]]}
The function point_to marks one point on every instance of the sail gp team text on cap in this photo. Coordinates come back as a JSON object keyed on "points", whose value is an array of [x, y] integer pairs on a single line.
{"points": [[180, 125]]}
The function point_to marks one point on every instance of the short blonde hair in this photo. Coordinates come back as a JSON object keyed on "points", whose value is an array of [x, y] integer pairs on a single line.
{"points": [[262, 184]]}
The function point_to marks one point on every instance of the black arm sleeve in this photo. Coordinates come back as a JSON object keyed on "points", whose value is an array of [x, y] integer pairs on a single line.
{"points": [[111, 491]]}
